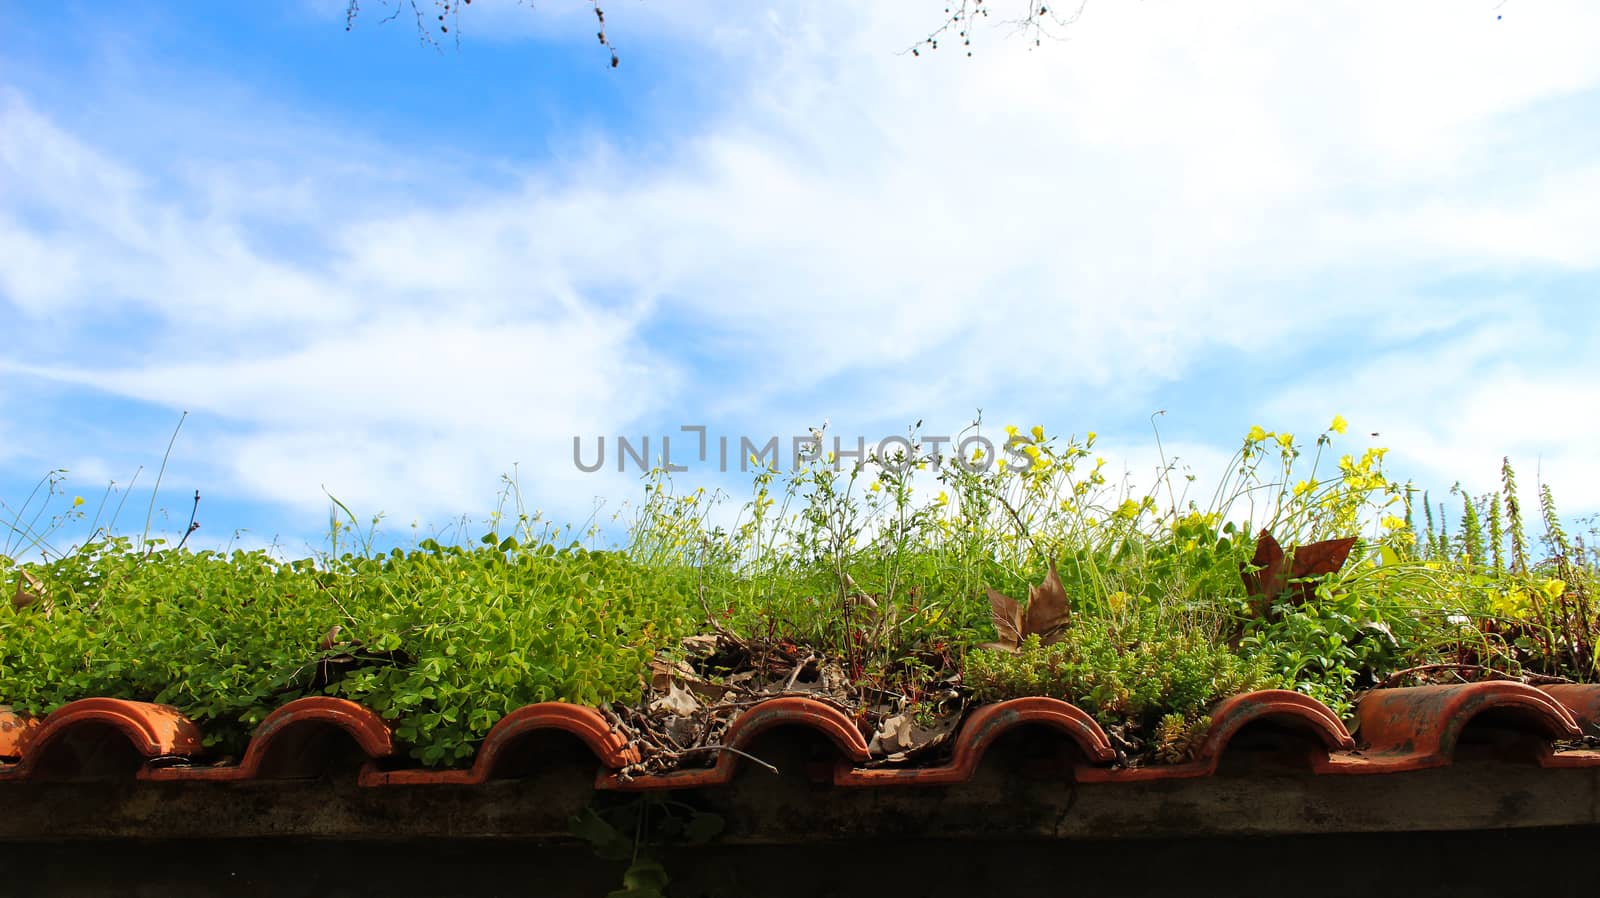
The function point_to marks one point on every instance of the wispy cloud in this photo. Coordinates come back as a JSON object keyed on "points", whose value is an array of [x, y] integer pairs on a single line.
{"points": [[1265, 213]]}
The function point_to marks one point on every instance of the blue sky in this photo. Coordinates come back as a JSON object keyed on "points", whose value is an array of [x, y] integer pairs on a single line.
{"points": [[392, 273]]}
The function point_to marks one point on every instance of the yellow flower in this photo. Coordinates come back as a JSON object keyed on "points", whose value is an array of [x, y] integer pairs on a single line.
{"points": [[1286, 440], [1554, 588], [76, 501], [1339, 424], [1090, 441], [1038, 432], [1011, 430], [876, 486], [1118, 600], [944, 498], [1509, 604], [1303, 487], [1257, 434], [1390, 522]]}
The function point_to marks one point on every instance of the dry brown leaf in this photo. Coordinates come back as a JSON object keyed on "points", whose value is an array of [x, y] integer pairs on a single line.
{"points": [[1272, 569], [1325, 557], [1046, 616], [678, 701], [894, 735], [701, 646], [1008, 620], [28, 590]]}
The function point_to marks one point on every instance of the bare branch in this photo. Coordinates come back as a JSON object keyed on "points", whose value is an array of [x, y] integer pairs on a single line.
{"points": [[1039, 20]]}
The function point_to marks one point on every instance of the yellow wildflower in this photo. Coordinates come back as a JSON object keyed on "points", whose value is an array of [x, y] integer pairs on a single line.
{"points": [[1257, 434], [1339, 424]]}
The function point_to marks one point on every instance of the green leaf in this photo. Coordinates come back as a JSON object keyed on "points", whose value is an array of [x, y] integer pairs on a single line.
{"points": [[607, 842]]}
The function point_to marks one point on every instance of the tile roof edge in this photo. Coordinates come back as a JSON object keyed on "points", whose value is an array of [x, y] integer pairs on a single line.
{"points": [[588, 725], [15, 730], [152, 730], [781, 711], [1417, 727], [295, 719], [1404, 729], [981, 728]]}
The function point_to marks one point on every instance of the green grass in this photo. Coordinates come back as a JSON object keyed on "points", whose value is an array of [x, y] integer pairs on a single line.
{"points": [[880, 566]]}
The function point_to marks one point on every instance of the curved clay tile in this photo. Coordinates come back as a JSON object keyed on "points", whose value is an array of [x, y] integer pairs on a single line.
{"points": [[290, 743], [1583, 700], [1417, 727], [589, 725], [152, 731], [783, 711], [15, 731], [980, 730], [1281, 707]]}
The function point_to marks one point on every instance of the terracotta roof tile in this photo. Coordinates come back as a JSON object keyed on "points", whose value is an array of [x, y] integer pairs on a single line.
{"points": [[91, 737], [1300, 714], [14, 730], [292, 743], [1418, 727], [589, 725], [980, 730], [1397, 730], [784, 711]]}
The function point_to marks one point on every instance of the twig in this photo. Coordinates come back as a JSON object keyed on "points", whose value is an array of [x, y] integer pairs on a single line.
{"points": [[797, 668], [1400, 675], [192, 525], [728, 748]]}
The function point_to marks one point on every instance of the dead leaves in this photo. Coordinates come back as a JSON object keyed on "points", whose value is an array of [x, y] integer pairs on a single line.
{"points": [[900, 738], [1274, 570], [28, 590], [1046, 615], [30, 593]]}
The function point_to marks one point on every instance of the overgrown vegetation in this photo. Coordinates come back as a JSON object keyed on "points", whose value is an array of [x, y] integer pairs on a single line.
{"points": [[867, 584]]}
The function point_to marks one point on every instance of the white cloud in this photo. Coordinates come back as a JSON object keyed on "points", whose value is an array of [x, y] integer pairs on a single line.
{"points": [[879, 236], [1514, 386]]}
